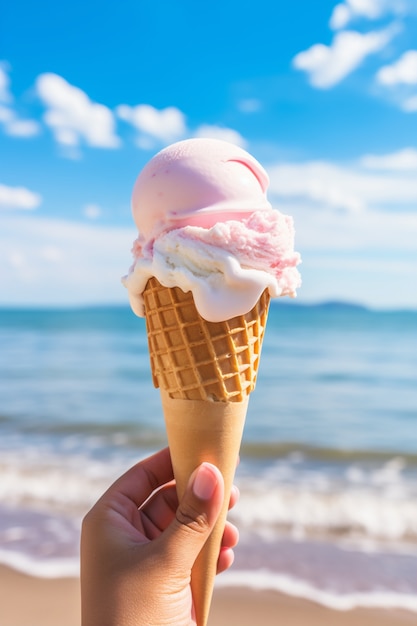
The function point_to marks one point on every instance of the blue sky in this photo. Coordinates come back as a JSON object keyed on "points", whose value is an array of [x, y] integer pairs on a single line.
{"points": [[323, 93]]}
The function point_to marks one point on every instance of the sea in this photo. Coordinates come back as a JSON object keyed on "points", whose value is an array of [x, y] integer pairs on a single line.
{"points": [[328, 469]]}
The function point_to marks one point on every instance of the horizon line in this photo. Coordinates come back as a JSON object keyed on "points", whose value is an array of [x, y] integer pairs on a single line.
{"points": [[276, 302]]}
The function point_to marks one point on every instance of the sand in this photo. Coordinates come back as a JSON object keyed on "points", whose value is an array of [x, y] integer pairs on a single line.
{"points": [[27, 601]]}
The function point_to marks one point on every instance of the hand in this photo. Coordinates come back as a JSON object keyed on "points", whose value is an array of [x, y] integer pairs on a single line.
{"points": [[138, 545]]}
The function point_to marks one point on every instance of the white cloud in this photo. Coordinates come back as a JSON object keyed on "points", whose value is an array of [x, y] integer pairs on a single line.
{"points": [[51, 253], [18, 198], [168, 125], [340, 16], [372, 9], [409, 105], [321, 183], [92, 211], [328, 65], [404, 70], [220, 132], [350, 189], [73, 117], [349, 10], [16, 127], [402, 160], [164, 125], [57, 262], [355, 256], [12, 124], [21, 128], [366, 256], [249, 105], [5, 94], [6, 114], [400, 78]]}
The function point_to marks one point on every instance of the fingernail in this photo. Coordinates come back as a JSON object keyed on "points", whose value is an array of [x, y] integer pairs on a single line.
{"points": [[205, 482]]}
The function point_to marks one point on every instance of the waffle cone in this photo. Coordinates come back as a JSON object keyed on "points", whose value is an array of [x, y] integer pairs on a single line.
{"points": [[193, 359], [205, 372], [200, 431]]}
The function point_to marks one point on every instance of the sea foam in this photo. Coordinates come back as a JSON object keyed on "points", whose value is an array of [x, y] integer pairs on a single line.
{"points": [[265, 580]]}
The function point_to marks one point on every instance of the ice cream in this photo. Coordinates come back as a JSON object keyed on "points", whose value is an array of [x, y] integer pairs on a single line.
{"points": [[210, 254], [206, 226]]}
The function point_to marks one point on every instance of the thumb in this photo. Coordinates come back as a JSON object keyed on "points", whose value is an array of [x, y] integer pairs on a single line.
{"points": [[196, 515]]}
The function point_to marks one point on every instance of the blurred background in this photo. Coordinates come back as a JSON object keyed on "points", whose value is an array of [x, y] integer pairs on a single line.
{"points": [[324, 95]]}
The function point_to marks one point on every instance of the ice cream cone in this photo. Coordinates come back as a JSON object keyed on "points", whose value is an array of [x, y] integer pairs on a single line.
{"points": [[205, 372], [204, 431], [193, 359]]}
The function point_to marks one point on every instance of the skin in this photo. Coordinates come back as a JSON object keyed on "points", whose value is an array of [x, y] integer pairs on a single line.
{"points": [[138, 545]]}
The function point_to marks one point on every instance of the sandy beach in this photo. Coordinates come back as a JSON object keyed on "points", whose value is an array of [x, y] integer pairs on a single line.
{"points": [[27, 601]]}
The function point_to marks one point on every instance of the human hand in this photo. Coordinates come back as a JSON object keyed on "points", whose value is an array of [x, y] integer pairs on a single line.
{"points": [[138, 545]]}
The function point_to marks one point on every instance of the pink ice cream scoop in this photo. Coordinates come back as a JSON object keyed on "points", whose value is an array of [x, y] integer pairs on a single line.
{"points": [[197, 182], [206, 226]]}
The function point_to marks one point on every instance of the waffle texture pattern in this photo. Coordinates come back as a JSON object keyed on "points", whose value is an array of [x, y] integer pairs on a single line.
{"points": [[193, 359]]}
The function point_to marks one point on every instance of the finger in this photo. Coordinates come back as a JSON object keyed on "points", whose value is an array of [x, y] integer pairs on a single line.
{"points": [[230, 540], [234, 496], [159, 511], [140, 481], [195, 517], [226, 558], [230, 537]]}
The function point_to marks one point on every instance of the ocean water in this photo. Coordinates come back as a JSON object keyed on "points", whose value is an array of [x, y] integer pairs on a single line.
{"points": [[328, 472]]}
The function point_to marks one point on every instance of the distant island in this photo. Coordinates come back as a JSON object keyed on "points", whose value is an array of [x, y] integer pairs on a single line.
{"points": [[330, 305]]}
